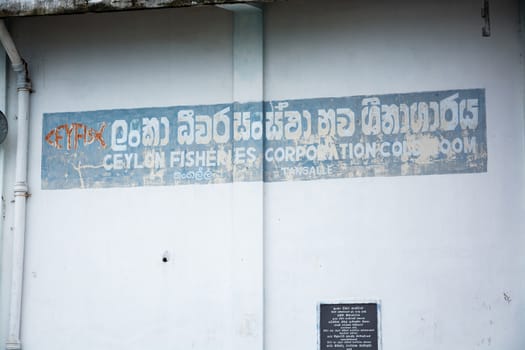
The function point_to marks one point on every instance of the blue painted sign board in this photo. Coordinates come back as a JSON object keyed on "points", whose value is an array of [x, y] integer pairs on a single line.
{"points": [[425, 133]]}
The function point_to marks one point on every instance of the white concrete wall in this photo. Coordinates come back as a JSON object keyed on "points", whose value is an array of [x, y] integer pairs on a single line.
{"points": [[439, 251], [94, 276]]}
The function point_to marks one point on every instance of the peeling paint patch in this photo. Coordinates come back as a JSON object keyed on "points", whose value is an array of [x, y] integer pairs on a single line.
{"points": [[424, 133], [441, 132]]}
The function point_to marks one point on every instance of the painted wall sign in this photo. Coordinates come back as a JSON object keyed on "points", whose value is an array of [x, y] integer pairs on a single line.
{"points": [[349, 326], [423, 133]]}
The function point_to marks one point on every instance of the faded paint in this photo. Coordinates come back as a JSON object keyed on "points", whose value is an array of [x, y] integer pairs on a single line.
{"points": [[388, 135], [14, 8], [439, 251]]}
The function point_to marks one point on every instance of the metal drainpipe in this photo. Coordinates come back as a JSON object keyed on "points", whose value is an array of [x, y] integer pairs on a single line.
{"points": [[20, 189]]}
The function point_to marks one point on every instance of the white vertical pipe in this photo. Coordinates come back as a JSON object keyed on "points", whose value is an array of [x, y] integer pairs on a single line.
{"points": [[20, 190], [3, 242], [15, 309]]}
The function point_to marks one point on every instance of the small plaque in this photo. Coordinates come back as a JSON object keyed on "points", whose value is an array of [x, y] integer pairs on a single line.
{"points": [[349, 326]]}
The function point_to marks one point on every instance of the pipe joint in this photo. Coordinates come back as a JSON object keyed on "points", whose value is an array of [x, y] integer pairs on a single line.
{"points": [[22, 77], [23, 83], [13, 345], [21, 189], [19, 67]]}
